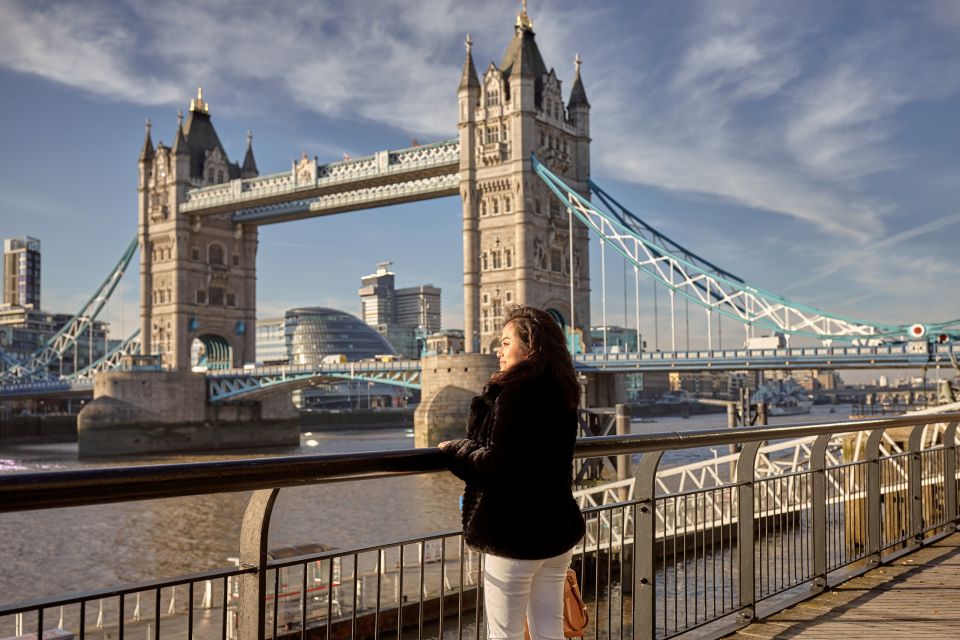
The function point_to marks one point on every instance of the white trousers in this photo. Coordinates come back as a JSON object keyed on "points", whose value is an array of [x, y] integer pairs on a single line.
{"points": [[513, 589]]}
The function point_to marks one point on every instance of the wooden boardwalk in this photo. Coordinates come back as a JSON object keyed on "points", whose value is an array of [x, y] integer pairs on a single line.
{"points": [[918, 596]]}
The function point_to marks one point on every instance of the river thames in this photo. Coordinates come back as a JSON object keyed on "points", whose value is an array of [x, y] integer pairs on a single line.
{"points": [[66, 550]]}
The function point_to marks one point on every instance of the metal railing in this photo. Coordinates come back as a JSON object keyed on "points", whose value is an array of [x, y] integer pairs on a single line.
{"points": [[659, 560]]}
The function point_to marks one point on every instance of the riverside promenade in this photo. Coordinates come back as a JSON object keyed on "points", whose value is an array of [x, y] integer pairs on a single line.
{"points": [[916, 596]]}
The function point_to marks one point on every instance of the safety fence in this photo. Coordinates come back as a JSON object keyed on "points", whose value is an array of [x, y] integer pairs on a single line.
{"points": [[666, 553]]}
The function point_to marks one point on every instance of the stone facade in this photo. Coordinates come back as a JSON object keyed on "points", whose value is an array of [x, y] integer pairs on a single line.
{"points": [[137, 412], [197, 273], [516, 241], [448, 383]]}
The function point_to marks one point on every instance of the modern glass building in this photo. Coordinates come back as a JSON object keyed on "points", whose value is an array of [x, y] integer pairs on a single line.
{"points": [[21, 272], [271, 342], [311, 333]]}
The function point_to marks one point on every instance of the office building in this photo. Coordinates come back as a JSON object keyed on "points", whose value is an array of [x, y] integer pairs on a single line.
{"points": [[445, 342], [405, 317], [418, 308], [271, 342], [21, 272], [24, 330], [312, 333], [618, 339], [377, 296]]}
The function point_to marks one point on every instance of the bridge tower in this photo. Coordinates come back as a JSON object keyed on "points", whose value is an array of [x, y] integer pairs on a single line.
{"points": [[516, 240], [197, 273]]}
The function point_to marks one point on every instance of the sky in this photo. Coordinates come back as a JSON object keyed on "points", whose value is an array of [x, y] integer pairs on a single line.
{"points": [[811, 148]]}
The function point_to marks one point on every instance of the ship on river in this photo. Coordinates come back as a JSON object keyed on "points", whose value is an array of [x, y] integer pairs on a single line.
{"points": [[783, 397]]}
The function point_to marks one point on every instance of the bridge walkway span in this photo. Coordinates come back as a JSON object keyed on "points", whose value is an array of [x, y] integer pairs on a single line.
{"points": [[917, 596]]}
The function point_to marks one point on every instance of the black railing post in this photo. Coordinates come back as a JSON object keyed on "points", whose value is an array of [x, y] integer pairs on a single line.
{"points": [[915, 483], [645, 525], [254, 533], [746, 529], [818, 508], [874, 496], [950, 472]]}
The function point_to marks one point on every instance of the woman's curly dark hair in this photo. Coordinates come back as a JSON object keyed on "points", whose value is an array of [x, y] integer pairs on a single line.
{"points": [[542, 340]]}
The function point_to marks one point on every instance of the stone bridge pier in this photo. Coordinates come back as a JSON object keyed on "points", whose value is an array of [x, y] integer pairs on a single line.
{"points": [[447, 384]]}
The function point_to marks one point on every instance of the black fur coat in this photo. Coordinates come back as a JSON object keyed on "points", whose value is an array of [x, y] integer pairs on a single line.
{"points": [[517, 464]]}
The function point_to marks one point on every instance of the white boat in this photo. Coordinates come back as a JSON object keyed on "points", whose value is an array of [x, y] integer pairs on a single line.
{"points": [[783, 398], [789, 407]]}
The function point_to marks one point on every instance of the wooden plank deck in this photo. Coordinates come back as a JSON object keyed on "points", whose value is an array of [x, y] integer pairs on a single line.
{"points": [[917, 596]]}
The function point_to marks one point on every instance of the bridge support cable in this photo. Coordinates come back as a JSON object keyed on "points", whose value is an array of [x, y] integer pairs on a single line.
{"points": [[111, 360], [36, 366], [573, 326], [685, 273], [603, 290], [656, 319], [636, 284]]}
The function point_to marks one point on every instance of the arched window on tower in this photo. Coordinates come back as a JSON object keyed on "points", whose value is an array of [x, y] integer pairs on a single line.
{"points": [[215, 254], [496, 206], [483, 261], [506, 204], [556, 260]]}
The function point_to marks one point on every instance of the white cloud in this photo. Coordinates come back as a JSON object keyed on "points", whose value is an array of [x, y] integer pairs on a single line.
{"points": [[779, 107], [861, 263], [85, 49]]}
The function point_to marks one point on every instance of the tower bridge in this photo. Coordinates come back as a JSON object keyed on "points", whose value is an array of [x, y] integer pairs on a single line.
{"points": [[520, 164]]}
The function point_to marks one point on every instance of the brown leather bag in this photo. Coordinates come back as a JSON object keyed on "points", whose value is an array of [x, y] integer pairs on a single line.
{"points": [[575, 616]]}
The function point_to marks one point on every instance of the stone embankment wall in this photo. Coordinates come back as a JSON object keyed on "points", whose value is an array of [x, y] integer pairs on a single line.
{"points": [[136, 412], [40, 428]]}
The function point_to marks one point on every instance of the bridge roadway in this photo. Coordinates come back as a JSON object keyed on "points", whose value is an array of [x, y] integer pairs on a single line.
{"points": [[235, 383], [917, 596], [308, 190], [230, 384]]}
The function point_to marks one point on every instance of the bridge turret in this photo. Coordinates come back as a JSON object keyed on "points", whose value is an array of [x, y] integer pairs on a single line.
{"points": [[516, 234], [578, 110], [249, 169], [180, 153], [468, 96], [198, 272], [146, 152]]}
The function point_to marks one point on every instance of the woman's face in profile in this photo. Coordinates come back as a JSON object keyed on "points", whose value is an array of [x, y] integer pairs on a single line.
{"points": [[511, 351]]}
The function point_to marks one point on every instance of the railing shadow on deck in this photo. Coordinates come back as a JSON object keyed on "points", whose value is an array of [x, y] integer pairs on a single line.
{"points": [[659, 559]]}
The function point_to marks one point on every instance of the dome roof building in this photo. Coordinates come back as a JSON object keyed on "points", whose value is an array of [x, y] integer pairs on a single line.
{"points": [[311, 333]]}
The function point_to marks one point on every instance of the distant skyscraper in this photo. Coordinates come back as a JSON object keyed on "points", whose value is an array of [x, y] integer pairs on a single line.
{"points": [[21, 272], [403, 316], [418, 307], [271, 345], [377, 296]]}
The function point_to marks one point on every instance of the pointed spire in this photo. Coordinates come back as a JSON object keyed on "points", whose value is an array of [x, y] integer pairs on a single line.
{"points": [[469, 78], [578, 96], [249, 168], [179, 142], [523, 20], [523, 56], [146, 153], [198, 105]]}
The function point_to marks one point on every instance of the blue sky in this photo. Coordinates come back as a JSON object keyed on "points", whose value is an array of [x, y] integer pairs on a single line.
{"points": [[809, 147]]}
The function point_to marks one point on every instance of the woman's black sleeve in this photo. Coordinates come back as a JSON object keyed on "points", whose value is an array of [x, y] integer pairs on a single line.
{"points": [[488, 464]]}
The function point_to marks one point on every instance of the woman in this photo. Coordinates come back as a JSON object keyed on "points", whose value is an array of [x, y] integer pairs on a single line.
{"points": [[518, 508]]}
